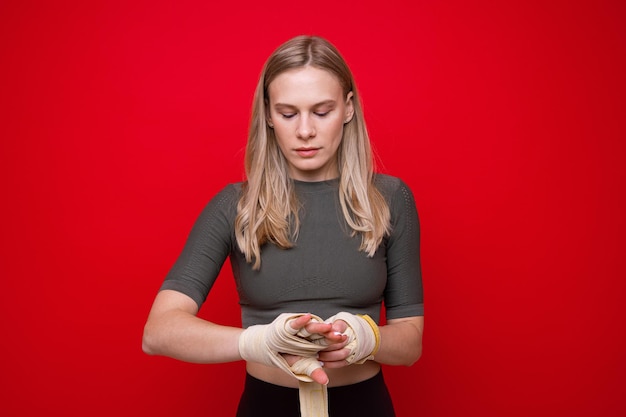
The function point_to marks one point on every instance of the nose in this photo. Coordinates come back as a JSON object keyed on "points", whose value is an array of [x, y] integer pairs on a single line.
{"points": [[305, 128]]}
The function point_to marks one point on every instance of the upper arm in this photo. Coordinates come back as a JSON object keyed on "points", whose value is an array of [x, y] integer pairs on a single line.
{"points": [[404, 293], [166, 305], [207, 247], [170, 300], [415, 321]]}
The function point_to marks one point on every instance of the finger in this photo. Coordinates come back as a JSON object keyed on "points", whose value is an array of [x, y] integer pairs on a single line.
{"points": [[295, 325], [319, 376], [321, 333], [336, 364], [318, 327], [334, 355], [311, 367], [307, 366], [314, 330], [334, 346], [300, 321], [334, 340], [340, 326]]}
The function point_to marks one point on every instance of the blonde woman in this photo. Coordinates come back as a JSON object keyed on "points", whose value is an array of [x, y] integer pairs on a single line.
{"points": [[317, 242]]}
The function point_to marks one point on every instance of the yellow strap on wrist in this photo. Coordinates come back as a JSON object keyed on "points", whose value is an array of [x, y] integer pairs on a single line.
{"points": [[374, 327]]}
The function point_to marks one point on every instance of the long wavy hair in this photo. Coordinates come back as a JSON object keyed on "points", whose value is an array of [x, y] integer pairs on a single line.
{"points": [[267, 211]]}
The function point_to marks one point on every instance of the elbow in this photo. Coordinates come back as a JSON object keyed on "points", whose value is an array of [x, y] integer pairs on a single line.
{"points": [[413, 354], [414, 357], [145, 346], [148, 343]]}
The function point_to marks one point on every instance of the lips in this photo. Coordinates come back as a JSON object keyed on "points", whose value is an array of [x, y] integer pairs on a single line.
{"points": [[307, 152]]}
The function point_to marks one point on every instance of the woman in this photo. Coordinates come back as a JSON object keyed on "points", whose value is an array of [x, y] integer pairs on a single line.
{"points": [[317, 242]]}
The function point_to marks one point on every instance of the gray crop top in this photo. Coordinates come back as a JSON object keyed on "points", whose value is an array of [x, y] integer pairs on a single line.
{"points": [[324, 273]]}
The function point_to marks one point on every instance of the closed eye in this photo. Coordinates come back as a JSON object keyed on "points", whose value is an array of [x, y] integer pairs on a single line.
{"points": [[288, 115]]}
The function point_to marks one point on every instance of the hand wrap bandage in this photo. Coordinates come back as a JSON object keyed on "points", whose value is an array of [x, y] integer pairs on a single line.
{"points": [[363, 336], [266, 344]]}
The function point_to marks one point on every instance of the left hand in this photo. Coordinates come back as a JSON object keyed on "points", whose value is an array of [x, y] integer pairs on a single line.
{"points": [[334, 356]]}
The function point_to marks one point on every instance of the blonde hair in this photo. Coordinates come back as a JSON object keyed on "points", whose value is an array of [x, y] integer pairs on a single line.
{"points": [[267, 211]]}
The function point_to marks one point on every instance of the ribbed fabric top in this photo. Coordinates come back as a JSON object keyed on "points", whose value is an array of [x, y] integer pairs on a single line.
{"points": [[324, 273]]}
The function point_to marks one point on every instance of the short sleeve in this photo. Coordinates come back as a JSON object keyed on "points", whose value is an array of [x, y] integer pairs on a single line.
{"points": [[404, 292], [208, 245]]}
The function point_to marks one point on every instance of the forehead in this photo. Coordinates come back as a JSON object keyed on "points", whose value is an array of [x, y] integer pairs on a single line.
{"points": [[304, 85]]}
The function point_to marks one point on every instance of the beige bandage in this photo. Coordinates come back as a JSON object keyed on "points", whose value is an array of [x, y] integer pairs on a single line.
{"points": [[265, 343], [363, 336]]}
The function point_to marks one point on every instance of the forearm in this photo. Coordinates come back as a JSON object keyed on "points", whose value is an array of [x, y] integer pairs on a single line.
{"points": [[400, 341], [188, 338], [174, 330]]}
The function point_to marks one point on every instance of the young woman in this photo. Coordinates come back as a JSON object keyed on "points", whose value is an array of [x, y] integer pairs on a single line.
{"points": [[317, 242]]}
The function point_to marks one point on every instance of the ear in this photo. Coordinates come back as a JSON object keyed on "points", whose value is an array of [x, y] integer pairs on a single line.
{"points": [[349, 108]]}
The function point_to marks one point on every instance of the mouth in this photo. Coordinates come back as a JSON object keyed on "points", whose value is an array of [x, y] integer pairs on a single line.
{"points": [[307, 152]]}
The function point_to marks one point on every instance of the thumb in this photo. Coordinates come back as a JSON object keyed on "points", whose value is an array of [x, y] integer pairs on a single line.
{"points": [[311, 367], [319, 376]]}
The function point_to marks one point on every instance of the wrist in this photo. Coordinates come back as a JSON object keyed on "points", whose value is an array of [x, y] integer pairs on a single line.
{"points": [[363, 336], [375, 331]]}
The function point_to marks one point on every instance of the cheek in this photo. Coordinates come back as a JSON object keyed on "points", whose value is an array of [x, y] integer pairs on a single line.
{"points": [[281, 139], [337, 130]]}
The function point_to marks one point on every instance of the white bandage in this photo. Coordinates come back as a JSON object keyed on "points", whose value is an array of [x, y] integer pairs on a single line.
{"points": [[363, 336]]}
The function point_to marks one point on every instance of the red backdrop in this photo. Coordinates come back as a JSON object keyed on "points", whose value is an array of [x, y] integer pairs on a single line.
{"points": [[119, 120]]}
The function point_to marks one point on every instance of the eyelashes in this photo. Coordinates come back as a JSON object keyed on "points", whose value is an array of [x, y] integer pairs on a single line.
{"points": [[291, 115]]}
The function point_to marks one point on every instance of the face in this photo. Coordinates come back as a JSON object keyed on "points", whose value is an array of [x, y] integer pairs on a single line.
{"points": [[308, 109]]}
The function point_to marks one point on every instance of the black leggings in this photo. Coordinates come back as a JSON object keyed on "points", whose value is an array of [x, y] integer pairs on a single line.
{"points": [[369, 398]]}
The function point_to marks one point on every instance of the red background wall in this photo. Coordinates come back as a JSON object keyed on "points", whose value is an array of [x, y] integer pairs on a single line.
{"points": [[119, 120]]}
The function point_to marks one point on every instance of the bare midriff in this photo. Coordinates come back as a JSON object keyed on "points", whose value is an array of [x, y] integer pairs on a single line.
{"points": [[337, 377]]}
